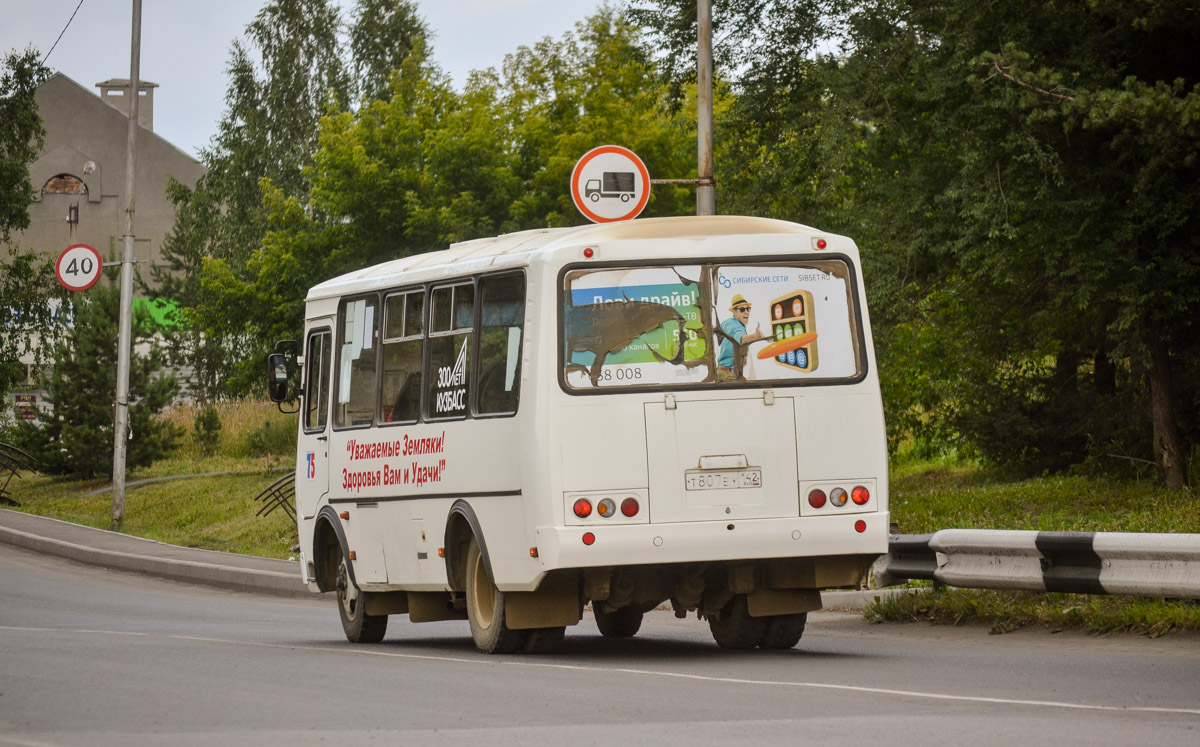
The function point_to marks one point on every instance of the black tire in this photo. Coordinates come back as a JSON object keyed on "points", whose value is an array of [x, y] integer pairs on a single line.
{"points": [[624, 623], [543, 640], [784, 631], [352, 608], [734, 628], [485, 609]]}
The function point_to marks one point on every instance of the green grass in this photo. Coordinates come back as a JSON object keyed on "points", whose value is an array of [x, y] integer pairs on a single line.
{"points": [[214, 513], [1006, 611], [928, 495]]}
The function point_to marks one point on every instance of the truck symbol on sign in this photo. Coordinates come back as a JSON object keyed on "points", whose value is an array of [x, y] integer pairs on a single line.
{"points": [[613, 184]]}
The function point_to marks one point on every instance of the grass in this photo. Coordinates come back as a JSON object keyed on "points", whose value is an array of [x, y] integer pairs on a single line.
{"points": [[928, 495], [215, 513]]}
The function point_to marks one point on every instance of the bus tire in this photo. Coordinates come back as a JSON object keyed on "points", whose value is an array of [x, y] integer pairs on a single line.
{"points": [[784, 631], [734, 628], [622, 623], [352, 608], [485, 608]]}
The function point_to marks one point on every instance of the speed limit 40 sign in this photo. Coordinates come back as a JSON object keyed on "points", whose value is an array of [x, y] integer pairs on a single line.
{"points": [[78, 267]]}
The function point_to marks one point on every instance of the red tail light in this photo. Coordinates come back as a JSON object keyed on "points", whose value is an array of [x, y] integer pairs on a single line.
{"points": [[860, 495], [588, 538], [583, 508], [816, 498], [860, 526], [630, 507]]}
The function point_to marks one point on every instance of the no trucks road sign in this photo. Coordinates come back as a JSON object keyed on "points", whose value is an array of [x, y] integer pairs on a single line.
{"points": [[610, 183], [78, 267]]}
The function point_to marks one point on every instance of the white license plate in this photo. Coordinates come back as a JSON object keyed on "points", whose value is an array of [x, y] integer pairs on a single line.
{"points": [[723, 480]]}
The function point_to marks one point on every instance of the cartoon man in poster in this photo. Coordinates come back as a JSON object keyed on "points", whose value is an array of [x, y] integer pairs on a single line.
{"points": [[735, 333]]}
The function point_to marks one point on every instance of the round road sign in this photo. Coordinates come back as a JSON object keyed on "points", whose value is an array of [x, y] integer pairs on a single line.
{"points": [[610, 183], [78, 267]]}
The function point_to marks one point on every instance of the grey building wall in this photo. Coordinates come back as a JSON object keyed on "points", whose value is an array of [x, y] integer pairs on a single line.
{"points": [[82, 129]]}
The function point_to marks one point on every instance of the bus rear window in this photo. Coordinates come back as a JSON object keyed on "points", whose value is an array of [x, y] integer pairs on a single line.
{"points": [[711, 324]]}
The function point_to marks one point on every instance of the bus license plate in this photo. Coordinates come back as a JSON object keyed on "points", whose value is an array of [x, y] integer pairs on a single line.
{"points": [[725, 480]]}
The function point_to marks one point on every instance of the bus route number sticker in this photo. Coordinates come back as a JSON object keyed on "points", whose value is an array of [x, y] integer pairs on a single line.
{"points": [[78, 267]]}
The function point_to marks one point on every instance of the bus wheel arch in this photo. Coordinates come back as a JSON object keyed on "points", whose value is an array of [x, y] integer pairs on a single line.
{"points": [[462, 525], [330, 549]]}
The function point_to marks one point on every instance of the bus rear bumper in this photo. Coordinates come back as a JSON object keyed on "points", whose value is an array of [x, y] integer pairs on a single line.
{"points": [[707, 541]]}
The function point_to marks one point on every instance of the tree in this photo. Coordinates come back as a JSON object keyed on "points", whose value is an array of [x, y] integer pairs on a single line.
{"points": [[382, 34], [77, 437], [29, 295], [426, 166], [1022, 178]]}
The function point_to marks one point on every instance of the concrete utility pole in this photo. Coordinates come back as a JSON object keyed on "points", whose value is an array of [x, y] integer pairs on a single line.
{"points": [[124, 349], [706, 190]]}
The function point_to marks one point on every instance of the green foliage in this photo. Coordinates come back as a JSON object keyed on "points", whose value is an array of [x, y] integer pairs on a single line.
{"points": [[426, 166], [77, 437], [21, 136], [1023, 180], [274, 437], [206, 429]]}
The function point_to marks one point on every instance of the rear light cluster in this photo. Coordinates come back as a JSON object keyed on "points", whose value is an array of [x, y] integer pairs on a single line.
{"points": [[606, 508], [837, 497]]}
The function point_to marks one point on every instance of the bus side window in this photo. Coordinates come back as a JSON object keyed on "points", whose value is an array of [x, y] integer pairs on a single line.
{"points": [[356, 362], [316, 395], [502, 318], [451, 319], [403, 342]]}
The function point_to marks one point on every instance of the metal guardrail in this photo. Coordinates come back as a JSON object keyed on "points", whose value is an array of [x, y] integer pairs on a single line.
{"points": [[12, 461], [279, 494], [1153, 565]]}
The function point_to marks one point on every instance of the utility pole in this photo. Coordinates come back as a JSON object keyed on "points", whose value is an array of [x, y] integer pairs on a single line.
{"points": [[121, 419], [706, 189]]}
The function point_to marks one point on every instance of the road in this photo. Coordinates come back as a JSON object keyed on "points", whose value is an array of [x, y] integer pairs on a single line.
{"points": [[92, 657]]}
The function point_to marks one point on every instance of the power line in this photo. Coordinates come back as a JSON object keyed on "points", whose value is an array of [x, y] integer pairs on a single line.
{"points": [[60, 34]]}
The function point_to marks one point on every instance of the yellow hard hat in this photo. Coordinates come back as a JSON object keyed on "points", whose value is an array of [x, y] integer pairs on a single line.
{"points": [[738, 300]]}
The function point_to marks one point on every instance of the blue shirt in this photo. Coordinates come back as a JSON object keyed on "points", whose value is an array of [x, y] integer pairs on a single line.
{"points": [[733, 329]]}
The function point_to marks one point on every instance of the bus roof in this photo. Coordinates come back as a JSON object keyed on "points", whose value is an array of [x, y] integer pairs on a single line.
{"points": [[518, 249]]}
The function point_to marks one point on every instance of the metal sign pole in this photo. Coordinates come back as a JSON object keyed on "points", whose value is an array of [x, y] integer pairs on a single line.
{"points": [[706, 191], [121, 420]]}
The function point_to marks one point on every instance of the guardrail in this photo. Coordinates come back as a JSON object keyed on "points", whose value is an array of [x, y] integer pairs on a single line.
{"points": [[1153, 565]]}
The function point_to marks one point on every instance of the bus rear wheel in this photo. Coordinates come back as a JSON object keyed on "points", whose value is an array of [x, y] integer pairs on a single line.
{"points": [[784, 631], [622, 623], [352, 608], [485, 609], [734, 628]]}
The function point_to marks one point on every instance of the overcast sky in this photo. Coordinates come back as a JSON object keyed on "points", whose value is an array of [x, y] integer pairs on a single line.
{"points": [[185, 45]]}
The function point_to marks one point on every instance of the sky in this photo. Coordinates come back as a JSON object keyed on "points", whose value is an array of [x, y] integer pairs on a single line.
{"points": [[185, 45]]}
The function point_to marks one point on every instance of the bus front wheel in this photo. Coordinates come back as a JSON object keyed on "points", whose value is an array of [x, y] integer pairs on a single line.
{"points": [[352, 608], [784, 631], [485, 608]]}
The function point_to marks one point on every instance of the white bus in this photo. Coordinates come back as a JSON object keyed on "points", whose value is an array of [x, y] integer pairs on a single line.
{"points": [[678, 411]]}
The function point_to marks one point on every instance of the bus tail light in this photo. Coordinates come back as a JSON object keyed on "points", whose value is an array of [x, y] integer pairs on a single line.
{"points": [[583, 508], [630, 507], [860, 526], [588, 538], [816, 498], [837, 497], [606, 507], [860, 495]]}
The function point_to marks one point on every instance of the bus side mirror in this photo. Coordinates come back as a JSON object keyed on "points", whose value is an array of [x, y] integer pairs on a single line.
{"points": [[277, 377]]}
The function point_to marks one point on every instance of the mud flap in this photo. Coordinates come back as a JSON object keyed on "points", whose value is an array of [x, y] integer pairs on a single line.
{"points": [[767, 602], [554, 604]]}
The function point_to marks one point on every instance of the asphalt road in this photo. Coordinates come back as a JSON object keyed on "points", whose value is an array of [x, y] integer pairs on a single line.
{"points": [[92, 657]]}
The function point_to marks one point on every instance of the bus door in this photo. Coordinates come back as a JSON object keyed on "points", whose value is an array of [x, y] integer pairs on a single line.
{"points": [[312, 452]]}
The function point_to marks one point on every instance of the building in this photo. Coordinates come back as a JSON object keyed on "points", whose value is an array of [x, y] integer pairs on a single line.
{"points": [[79, 183]]}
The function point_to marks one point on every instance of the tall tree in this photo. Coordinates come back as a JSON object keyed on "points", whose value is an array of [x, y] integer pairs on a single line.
{"points": [[29, 297], [382, 34]]}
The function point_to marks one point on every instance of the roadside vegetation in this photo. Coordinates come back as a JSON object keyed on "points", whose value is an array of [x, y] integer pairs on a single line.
{"points": [[215, 510], [928, 494]]}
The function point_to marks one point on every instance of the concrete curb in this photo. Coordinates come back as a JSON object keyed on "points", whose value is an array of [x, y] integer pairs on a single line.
{"points": [[231, 575]]}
